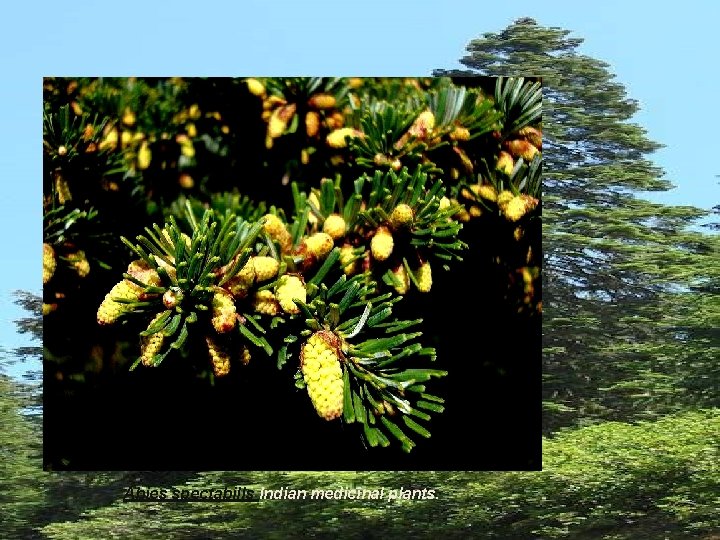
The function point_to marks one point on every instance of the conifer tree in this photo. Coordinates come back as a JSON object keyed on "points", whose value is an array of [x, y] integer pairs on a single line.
{"points": [[605, 249]]}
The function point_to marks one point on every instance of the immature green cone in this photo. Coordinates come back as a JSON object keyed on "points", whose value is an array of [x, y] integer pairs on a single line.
{"points": [[290, 287], [223, 311], [219, 357], [402, 216], [320, 366], [151, 345], [109, 309], [49, 263], [382, 244]]}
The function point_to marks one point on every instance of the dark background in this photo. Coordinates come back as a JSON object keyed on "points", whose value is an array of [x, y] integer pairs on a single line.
{"points": [[255, 419]]}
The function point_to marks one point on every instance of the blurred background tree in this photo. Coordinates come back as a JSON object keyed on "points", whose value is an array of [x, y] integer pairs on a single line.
{"points": [[612, 260]]}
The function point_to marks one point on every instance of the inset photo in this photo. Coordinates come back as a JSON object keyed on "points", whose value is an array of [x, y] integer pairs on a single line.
{"points": [[292, 273]]}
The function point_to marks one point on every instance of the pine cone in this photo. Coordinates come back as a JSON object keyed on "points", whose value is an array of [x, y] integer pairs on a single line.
{"points": [[402, 216], [277, 231], [290, 287], [49, 263], [151, 345], [401, 274], [219, 357], [223, 311], [335, 226], [266, 303], [265, 267], [336, 138], [109, 309], [322, 372], [381, 244], [319, 244]]}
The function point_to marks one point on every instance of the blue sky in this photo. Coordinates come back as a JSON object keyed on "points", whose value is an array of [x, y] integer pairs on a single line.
{"points": [[665, 56]]}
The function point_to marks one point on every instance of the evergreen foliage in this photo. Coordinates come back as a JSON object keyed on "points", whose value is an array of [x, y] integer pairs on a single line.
{"points": [[295, 208]]}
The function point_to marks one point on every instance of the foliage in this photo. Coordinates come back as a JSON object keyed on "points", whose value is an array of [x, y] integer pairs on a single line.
{"points": [[615, 480], [377, 179]]}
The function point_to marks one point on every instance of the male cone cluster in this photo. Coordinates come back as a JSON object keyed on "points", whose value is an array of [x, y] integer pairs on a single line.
{"points": [[219, 357], [288, 288], [49, 262], [319, 244], [277, 231], [151, 345], [266, 303], [338, 138], [223, 311], [402, 216], [259, 268], [515, 207], [322, 372], [335, 226], [403, 279], [110, 310], [79, 262], [126, 291], [423, 276], [348, 260], [381, 244]]}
